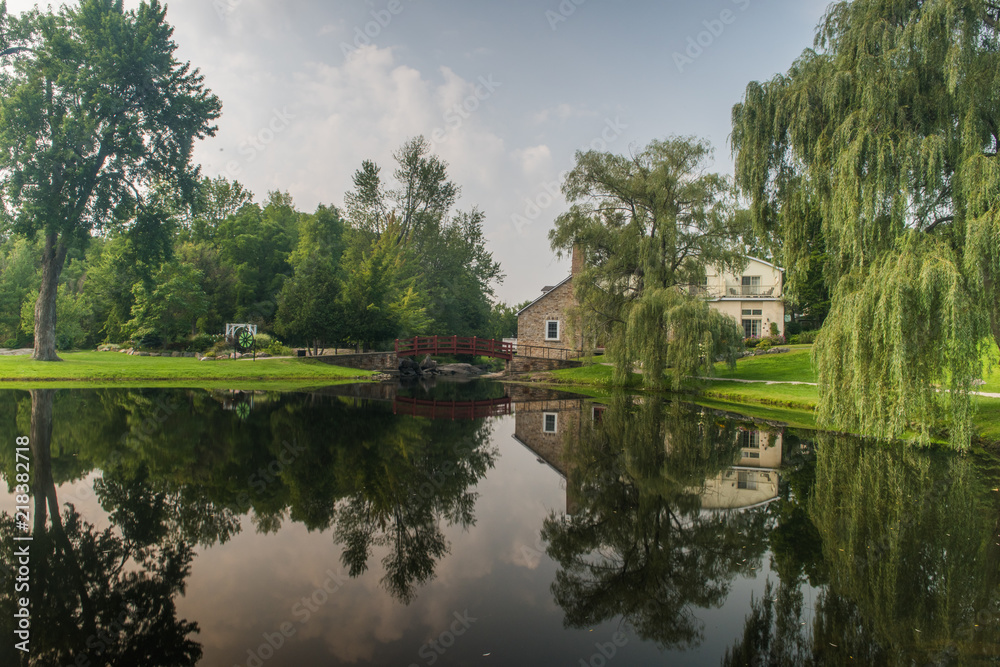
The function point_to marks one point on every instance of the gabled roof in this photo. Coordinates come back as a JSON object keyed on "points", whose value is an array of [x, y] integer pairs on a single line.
{"points": [[762, 261], [568, 278]]}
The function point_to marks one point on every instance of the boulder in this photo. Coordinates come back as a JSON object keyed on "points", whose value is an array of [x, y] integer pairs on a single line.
{"points": [[459, 369], [409, 368], [175, 354]]}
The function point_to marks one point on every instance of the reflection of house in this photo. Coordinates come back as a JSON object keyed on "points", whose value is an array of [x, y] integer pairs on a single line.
{"points": [[754, 480], [543, 428], [754, 299]]}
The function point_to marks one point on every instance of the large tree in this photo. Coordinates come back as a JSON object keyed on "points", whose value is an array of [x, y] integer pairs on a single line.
{"points": [[648, 225], [94, 116], [889, 132]]}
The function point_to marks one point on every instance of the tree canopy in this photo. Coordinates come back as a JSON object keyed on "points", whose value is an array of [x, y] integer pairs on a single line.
{"points": [[648, 225], [884, 138], [94, 116]]}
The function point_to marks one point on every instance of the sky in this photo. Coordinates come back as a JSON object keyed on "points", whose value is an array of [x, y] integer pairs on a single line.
{"points": [[506, 92]]}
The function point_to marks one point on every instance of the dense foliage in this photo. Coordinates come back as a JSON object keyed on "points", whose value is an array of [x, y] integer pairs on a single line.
{"points": [[648, 225], [313, 278], [878, 151], [111, 235]]}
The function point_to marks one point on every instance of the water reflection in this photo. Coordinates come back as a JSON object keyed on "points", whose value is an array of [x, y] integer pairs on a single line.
{"points": [[97, 597], [666, 515]]}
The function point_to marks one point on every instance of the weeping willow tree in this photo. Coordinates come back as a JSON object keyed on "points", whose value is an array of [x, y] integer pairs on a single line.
{"points": [[885, 137], [648, 224]]}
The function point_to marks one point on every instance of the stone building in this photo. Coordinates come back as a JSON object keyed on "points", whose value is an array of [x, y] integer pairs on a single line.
{"points": [[754, 299]]}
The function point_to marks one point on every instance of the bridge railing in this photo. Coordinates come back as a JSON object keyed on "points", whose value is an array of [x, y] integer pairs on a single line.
{"points": [[496, 407], [543, 352], [473, 345]]}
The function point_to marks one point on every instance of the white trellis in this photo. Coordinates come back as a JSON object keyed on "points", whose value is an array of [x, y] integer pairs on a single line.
{"points": [[232, 328]]}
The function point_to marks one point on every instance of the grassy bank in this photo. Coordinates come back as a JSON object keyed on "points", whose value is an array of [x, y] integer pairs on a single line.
{"points": [[113, 369], [791, 403]]}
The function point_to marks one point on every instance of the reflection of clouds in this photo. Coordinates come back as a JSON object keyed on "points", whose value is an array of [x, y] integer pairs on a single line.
{"points": [[239, 591], [79, 493], [248, 587]]}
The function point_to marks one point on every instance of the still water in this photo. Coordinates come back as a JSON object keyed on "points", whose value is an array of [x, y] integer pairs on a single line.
{"points": [[481, 524]]}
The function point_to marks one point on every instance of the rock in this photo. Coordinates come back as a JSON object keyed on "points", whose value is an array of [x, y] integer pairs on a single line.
{"points": [[428, 364], [144, 354], [459, 369], [175, 354], [190, 355], [409, 368]]}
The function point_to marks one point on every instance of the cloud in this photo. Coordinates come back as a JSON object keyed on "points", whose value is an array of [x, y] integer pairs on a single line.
{"points": [[535, 161], [563, 112]]}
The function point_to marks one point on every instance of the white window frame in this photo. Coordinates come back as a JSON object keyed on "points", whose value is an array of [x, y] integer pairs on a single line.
{"points": [[558, 330], [545, 422], [759, 327]]}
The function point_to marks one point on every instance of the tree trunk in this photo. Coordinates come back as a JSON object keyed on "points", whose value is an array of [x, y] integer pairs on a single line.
{"points": [[988, 286], [995, 325], [53, 258]]}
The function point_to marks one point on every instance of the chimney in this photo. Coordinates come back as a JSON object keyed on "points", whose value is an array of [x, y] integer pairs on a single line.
{"points": [[577, 260]]}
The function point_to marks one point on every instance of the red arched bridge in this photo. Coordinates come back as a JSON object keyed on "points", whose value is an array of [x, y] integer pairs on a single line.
{"points": [[439, 345], [495, 407]]}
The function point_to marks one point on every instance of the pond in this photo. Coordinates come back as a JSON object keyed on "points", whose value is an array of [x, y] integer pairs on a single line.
{"points": [[480, 524]]}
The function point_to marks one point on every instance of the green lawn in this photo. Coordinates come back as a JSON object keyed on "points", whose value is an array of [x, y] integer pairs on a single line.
{"points": [[794, 366], [96, 368], [794, 404]]}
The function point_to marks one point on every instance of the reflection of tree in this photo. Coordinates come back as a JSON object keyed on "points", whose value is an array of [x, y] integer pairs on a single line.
{"points": [[101, 594], [389, 483], [378, 481], [639, 546], [910, 558]]}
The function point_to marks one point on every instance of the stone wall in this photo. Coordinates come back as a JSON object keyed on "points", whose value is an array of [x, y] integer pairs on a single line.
{"points": [[367, 361], [555, 305], [530, 365]]}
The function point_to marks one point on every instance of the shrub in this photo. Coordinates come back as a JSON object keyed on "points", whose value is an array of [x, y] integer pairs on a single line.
{"points": [[774, 329], [764, 344], [221, 347], [751, 343], [807, 337], [274, 347], [200, 342], [793, 328], [151, 340]]}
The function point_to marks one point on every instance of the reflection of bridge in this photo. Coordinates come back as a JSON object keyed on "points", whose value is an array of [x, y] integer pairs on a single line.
{"points": [[495, 407], [438, 345]]}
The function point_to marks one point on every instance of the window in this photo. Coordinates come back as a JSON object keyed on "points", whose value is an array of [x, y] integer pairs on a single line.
{"points": [[746, 480], [751, 285], [550, 422], [750, 439], [597, 414], [552, 330], [751, 328]]}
